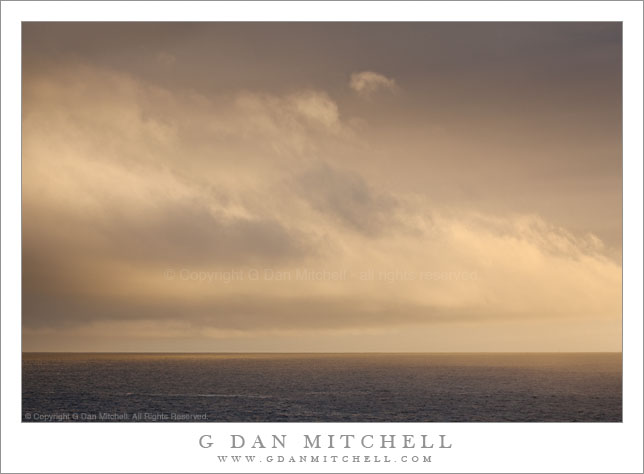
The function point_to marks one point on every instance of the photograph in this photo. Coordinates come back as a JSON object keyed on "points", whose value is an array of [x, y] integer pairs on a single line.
{"points": [[333, 221]]}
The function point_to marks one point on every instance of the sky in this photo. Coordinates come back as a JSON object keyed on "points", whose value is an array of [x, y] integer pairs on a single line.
{"points": [[326, 187]]}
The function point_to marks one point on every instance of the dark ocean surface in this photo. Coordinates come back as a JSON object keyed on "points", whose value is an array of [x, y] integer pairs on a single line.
{"points": [[521, 387]]}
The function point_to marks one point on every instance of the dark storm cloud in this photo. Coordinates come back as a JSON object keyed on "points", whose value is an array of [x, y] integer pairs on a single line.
{"points": [[190, 233], [240, 312], [70, 260]]}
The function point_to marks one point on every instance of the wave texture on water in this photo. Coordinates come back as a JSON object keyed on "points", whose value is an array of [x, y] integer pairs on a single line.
{"points": [[323, 387]]}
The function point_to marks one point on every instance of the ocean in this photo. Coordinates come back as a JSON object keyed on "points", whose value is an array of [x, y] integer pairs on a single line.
{"points": [[483, 387]]}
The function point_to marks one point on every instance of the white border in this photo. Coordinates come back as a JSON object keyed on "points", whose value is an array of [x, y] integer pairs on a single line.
{"points": [[484, 447]]}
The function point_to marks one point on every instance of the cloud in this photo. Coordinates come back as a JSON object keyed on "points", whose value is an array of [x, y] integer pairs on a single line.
{"points": [[317, 107], [366, 83], [165, 58], [294, 123], [347, 198], [123, 179], [454, 269]]}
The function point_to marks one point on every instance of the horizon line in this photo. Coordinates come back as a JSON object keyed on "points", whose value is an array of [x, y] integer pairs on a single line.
{"points": [[322, 352]]}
